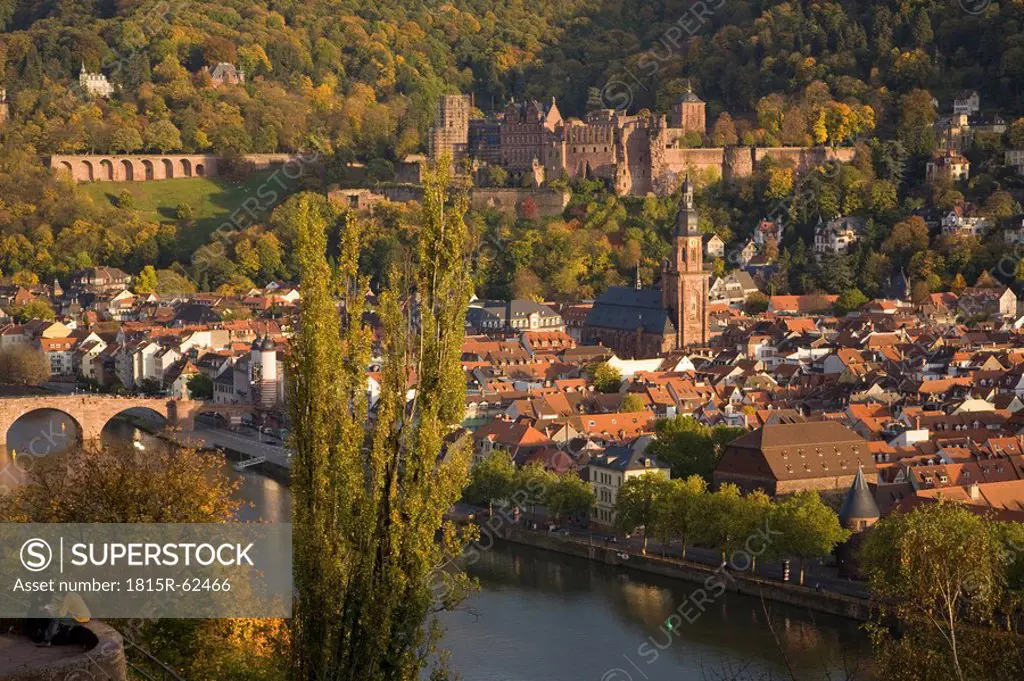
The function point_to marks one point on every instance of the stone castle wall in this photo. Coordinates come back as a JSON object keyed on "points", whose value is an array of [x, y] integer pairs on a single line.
{"points": [[804, 158], [549, 202], [510, 200]]}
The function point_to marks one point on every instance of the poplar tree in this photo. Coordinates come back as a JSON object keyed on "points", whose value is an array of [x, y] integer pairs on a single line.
{"points": [[370, 493]]}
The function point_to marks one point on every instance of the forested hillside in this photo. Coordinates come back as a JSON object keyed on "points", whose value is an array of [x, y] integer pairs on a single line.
{"points": [[361, 76], [358, 80]]}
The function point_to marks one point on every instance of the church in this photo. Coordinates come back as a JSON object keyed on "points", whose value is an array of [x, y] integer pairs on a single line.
{"points": [[640, 323]]}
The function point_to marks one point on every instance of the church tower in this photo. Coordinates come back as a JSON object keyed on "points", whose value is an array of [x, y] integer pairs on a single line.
{"points": [[684, 282]]}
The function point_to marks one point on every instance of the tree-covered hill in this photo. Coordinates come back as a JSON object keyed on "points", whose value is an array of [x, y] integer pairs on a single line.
{"points": [[362, 76]]}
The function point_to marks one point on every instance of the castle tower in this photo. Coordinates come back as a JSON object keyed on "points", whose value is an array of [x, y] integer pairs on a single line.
{"points": [[450, 133], [685, 284], [689, 114]]}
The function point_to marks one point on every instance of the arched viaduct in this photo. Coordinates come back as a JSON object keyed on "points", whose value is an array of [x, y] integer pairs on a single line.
{"points": [[147, 168], [93, 412], [134, 168]]}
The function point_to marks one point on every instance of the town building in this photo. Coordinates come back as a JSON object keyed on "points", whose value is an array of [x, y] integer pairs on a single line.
{"points": [[111, 279], [792, 457], [734, 288], [975, 303], [714, 247], [610, 469], [963, 220], [949, 165], [520, 314]]}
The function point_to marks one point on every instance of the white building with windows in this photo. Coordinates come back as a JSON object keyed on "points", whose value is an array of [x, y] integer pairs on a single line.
{"points": [[837, 236], [95, 83], [608, 471], [967, 102], [962, 221]]}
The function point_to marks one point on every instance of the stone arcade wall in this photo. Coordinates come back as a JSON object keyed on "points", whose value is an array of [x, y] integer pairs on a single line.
{"points": [[147, 168]]}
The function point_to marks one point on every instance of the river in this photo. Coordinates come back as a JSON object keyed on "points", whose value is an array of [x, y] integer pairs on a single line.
{"points": [[540, 616]]}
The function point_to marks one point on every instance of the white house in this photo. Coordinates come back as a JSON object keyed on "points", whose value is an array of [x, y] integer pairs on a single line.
{"points": [[838, 235], [1014, 158], [714, 247], [609, 470], [734, 288], [95, 83], [967, 102], [962, 221]]}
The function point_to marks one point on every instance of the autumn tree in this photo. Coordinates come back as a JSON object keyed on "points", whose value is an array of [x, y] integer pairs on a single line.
{"points": [[97, 483], [637, 504], [680, 509], [493, 478], [146, 281], [633, 402], [850, 300], [369, 501], [569, 494], [37, 308], [916, 120], [723, 134], [532, 483], [807, 528], [606, 378], [941, 572], [23, 365], [689, 447], [120, 484]]}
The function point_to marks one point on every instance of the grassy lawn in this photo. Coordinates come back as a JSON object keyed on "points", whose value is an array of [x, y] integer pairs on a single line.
{"points": [[213, 200]]}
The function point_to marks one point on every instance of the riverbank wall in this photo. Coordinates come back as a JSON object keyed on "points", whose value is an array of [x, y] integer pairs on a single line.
{"points": [[737, 581], [274, 471]]}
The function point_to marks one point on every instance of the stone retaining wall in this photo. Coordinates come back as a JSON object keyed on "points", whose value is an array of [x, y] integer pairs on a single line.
{"points": [[789, 593]]}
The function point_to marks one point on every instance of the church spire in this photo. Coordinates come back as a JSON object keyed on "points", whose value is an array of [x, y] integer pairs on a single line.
{"points": [[686, 220]]}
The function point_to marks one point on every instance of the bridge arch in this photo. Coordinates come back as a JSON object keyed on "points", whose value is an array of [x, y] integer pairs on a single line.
{"points": [[128, 170], [147, 167], [87, 169], [168, 168], [200, 170], [106, 170], [36, 432], [65, 169], [129, 416], [186, 167]]}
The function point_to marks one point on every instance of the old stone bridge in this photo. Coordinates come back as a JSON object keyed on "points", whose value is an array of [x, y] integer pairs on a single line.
{"points": [[92, 412]]}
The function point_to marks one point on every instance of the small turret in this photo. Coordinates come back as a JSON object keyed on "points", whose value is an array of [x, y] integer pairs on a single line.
{"points": [[859, 510]]}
